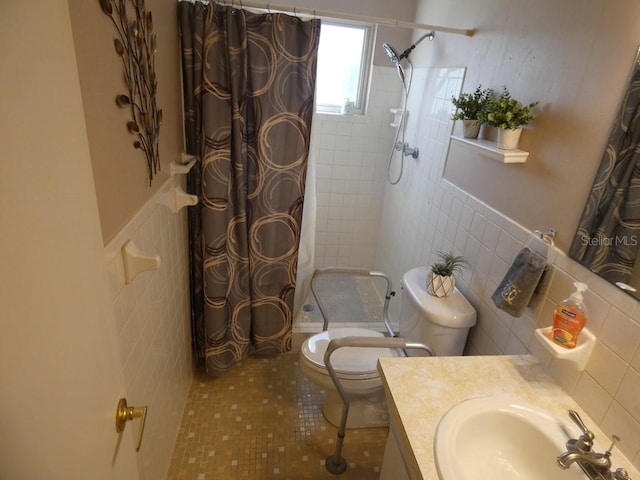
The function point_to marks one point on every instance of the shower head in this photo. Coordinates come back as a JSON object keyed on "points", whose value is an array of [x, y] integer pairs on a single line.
{"points": [[391, 53], [395, 59]]}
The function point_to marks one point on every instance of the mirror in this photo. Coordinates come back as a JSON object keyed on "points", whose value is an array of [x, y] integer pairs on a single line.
{"points": [[607, 240]]}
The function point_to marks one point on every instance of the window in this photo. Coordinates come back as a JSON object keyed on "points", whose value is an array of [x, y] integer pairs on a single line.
{"points": [[344, 59]]}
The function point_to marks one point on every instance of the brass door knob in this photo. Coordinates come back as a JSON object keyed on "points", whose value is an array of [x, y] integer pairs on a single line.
{"points": [[125, 413]]}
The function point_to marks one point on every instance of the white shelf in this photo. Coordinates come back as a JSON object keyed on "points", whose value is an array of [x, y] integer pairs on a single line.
{"points": [[397, 113], [182, 168], [489, 149], [579, 355]]}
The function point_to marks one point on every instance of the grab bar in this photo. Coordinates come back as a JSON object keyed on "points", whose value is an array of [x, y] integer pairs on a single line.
{"points": [[336, 464], [361, 272]]}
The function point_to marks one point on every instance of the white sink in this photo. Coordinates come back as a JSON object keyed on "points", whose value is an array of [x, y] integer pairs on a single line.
{"points": [[492, 437]]}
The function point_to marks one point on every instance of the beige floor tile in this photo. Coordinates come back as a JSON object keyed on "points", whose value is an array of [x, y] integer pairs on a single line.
{"points": [[263, 420]]}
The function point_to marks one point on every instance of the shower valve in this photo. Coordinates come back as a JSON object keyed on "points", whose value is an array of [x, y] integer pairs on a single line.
{"points": [[407, 150]]}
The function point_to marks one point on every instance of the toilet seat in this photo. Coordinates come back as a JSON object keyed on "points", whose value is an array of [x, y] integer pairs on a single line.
{"points": [[350, 363]]}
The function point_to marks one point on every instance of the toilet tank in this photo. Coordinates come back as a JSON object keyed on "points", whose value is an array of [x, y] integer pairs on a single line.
{"points": [[441, 323]]}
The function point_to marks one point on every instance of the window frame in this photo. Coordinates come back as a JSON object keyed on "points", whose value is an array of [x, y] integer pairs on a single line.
{"points": [[366, 65]]}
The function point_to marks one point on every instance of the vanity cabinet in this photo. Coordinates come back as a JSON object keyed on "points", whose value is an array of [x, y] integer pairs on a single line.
{"points": [[393, 466], [421, 390]]}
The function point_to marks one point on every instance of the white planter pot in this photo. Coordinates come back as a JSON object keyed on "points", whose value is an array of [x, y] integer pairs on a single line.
{"points": [[470, 129], [440, 286], [508, 139]]}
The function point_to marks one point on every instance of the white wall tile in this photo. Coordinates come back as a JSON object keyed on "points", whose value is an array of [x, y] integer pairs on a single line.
{"points": [[628, 394], [478, 225], [515, 347], [592, 397], [523, 329], [565, 373], [621, 334], [619, 421], [506, 247], [635, 363], [598, 309], [606, 367], [490, 235], [352, 168], [498, 269], [499, 333], [561, 286], [545, 318], [154, 327]]}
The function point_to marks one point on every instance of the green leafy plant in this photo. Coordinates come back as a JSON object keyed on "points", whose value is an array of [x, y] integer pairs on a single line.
{"points": [[448, 264], [507, 112], [471, 106]]}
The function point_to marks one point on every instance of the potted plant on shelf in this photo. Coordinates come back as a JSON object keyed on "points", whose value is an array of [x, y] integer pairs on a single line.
{"points": [[470, 109], [441, 280], [509, 116]]}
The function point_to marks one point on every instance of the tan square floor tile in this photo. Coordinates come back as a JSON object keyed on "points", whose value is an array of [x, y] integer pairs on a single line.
{"points": [[263, 420]]}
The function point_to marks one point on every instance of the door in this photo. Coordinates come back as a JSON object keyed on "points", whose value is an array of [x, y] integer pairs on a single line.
{"points": [[60, 372]]}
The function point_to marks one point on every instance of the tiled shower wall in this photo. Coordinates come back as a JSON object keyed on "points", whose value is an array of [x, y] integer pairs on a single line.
{"points": [[425, 214], [352, 154], [153, 319]]}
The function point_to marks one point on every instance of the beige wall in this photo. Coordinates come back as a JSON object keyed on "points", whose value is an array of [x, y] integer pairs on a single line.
{"points": [[120, 171], [574, 57], [61, 375]]}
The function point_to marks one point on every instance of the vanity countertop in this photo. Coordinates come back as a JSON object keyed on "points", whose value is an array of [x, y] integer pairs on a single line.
{"points": [[420, 390]]}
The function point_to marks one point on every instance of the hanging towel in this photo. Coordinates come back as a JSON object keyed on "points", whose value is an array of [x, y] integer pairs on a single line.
{"points": [[516, 289]]}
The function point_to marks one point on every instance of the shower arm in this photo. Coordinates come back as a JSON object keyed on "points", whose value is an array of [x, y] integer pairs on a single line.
{"points": [[430, 35]]}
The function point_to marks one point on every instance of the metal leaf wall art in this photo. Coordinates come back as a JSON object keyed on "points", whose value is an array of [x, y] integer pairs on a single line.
{"points": [[136, 47]]}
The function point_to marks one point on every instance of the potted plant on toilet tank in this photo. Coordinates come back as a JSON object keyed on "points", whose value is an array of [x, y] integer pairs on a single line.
{"points": [[508, 115], [470, 108], [441, 280]]}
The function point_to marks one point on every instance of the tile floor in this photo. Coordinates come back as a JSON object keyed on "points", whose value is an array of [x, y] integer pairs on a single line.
{"points": [[263, 420]]}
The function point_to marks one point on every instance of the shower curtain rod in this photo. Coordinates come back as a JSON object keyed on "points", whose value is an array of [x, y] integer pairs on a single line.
{"points": [[349, 16]]}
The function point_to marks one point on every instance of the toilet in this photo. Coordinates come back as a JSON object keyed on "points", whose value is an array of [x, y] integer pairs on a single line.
{"points": [[441, 323]]}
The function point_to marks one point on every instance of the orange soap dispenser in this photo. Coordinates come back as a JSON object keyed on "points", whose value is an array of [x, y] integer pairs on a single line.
{"points": [[569, 318]]}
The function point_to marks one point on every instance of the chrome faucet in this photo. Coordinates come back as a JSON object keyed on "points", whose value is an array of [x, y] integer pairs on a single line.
{"points": [[597, 466]]}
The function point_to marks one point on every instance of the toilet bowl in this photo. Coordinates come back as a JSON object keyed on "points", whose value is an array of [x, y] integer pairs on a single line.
{"points": [[441, 323], [357, 370]]}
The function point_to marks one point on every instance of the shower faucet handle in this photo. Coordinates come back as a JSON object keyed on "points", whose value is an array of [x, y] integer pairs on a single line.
{"points": [[406, 149]]}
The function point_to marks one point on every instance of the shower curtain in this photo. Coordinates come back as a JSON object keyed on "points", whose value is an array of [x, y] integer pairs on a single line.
{"points": [[249, 82], [607, 239]]}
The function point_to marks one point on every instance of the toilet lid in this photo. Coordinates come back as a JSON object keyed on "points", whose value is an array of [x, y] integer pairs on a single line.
{"points": [[346, 359]]}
